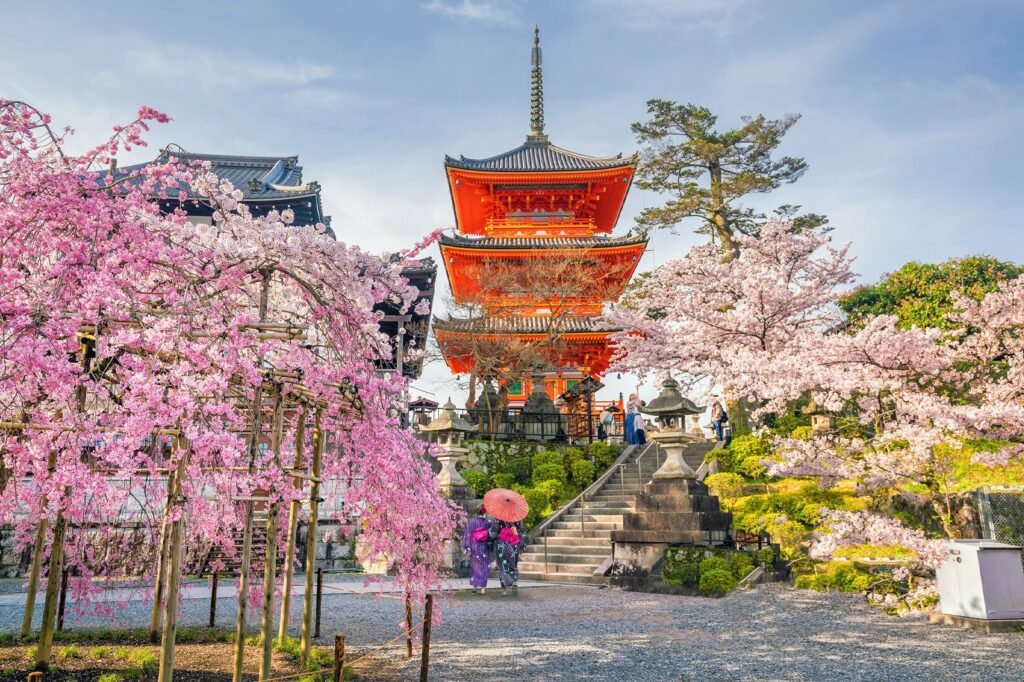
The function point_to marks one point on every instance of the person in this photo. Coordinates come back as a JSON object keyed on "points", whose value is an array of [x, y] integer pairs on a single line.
{"points": [[718, 417], [509, 538], [604, 422], [631, 417], [639, 426], [476, 541]]}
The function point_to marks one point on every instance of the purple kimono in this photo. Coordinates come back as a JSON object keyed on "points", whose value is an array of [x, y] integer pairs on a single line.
{"points": [[479, 551]]}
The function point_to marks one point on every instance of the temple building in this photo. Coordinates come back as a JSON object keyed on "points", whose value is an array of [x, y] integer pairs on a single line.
{"points": [[272, 183], [532, 262]]}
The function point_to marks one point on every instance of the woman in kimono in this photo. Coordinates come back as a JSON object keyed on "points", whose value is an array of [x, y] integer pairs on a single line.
{"points": [[632, 415], [476, 542], [509, 538]]}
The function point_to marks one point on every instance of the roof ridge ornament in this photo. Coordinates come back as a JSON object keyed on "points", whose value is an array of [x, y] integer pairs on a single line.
{"points": [[536, 135]]}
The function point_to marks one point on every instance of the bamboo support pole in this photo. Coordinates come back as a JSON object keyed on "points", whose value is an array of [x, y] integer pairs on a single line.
{"points": [[408, 626], [161, 566], [339, 658], [293, 521], [170, 619], [270, 557], [311, 538], [37, 558], [53, 577], [213, 599], [243, 570], [428, 615]]}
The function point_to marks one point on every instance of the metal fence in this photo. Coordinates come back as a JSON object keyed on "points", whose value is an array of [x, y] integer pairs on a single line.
{"points": [[1001, 511], [516, 424]]}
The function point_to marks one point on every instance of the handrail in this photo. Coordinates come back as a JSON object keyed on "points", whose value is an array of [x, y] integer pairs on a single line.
{"points": [[644, 454], [541, 529]]}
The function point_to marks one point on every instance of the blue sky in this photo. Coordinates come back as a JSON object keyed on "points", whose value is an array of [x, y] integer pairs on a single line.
{"points": [[911, 124]]}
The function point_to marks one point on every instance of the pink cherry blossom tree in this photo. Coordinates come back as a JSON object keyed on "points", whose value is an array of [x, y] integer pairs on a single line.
{"points": [[135, 344]]}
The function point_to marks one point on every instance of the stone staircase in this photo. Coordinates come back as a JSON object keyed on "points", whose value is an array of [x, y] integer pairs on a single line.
{"points": [[579, 540]]}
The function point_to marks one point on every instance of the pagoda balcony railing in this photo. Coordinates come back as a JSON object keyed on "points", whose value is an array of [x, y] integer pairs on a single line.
{"points": [[514, 424], [543, 221]]}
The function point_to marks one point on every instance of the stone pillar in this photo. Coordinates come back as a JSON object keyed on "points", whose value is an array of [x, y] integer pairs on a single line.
{"points": [[673, 442]]}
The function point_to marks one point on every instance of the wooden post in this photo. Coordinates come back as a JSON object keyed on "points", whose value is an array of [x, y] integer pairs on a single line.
{"points": [[270, 555], [408, 626], [293, 522], [36, 677], [256, 420], [161, 567], [319, 598], [53, 576], [311, 538], [63, 599], [213, 598], [33, 576], [339, 658], [428, 614], [37, 557], [170, 618]]}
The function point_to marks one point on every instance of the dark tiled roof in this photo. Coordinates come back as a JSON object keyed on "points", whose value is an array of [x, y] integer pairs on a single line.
{"points": [[523, 325], [540, 242], [539, 156]]}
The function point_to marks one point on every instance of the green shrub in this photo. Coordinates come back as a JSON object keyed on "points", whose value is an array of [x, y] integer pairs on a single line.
{"points": [[539, 500], [837, 575], [109, 677], [681, 573], [603, 453], [582, 472], [478, 480], [550, 472], [134, 673], [765, 555], [553, 489], [571, 456], [716, 582], [547, 457], [725, 485], [503, 480], [99, 652], [147, 661], [740, 563], [714, 563], [520, 468], [70, 651]]}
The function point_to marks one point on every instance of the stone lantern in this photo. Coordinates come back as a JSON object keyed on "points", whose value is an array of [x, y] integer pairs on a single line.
{"points": [[671, 409], [821, 420], [448, 430]]}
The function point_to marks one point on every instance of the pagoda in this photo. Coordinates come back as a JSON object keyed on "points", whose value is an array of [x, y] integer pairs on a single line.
{"points": [[533, 258]]}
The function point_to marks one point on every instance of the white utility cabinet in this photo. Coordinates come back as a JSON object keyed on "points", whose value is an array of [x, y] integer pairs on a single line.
{"points": [[982, 579]]}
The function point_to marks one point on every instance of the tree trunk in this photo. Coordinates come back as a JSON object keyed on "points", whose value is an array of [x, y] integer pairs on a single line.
{"points": [[270, 557], [293, 521], [311, 539], [723, 228]]}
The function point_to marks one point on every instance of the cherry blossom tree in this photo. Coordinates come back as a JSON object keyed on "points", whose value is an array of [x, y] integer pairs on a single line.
{"points": [[135, 344]]}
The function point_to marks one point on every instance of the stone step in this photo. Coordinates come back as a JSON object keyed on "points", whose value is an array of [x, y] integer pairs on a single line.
{"points": [[538, 548], [569, 559], [588, 517], [593, 530], [564, 578], [573, 523], [537, 566]]}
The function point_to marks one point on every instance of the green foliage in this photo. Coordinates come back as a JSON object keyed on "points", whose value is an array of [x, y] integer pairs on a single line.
{"points": [[725, 485], [603, 453], [716, 582], [920, 294], [70, 651], [681, 573], [147, 661], [854, 552], [740, 564], [547, 457], [134, 673], [571, 455], [539, 501], [582, 472], [705, 172], [478, 480], [550, 472], [765, 555], [552, 487], [836, 575], [503, 480], [109, 677], [99, 653], [714, 563]]}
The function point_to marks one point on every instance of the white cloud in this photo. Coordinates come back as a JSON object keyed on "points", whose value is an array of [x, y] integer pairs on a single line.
{"points": [[209, 69], [485, 11], [720, 17]]}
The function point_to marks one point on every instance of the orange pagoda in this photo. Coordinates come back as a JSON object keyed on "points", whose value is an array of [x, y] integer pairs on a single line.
{"points": [[533, 257]]}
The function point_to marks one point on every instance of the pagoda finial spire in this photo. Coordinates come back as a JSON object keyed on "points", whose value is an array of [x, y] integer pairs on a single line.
{"points": [[537, 92]]}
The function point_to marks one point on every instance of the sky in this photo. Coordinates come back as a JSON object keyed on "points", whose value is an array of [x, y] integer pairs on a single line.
{"points": [[911, 111]]}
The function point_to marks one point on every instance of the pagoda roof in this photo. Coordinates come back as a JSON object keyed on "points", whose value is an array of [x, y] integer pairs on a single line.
{"points": [[540, 155], [597, 242], [524, 325]]}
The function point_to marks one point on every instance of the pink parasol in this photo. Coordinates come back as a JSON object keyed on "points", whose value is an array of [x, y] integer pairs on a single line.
{"points": [[506, 505]]}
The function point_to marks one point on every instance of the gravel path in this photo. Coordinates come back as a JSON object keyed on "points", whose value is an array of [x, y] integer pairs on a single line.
{"points": [[581, 633]]}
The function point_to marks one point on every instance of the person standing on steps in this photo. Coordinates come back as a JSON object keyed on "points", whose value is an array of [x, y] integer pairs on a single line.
{"points": [[604, 424], [718, 417], [632, 416], [639, 426], [476, 542], [509, 538]]}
